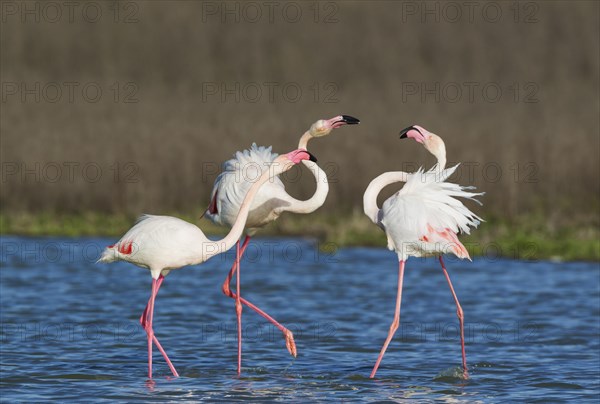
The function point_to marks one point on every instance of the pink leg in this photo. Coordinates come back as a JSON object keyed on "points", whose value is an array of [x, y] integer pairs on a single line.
{"points": [[289, 337], [149, 330], [147, 324], [396, 321], [144, 316], [238, 309], [461, 320]]}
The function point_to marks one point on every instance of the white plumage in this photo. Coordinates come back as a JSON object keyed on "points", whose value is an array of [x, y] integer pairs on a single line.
{"points": [[272, 199], [422, 219], [164, 243], [270, 202], [237, 177], [424, 216]]}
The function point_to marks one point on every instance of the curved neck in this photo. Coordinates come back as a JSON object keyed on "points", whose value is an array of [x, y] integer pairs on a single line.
{"points": [[318, 198], [375, 187], [220, 246], [440, 154], [304, 139], [441, 160]]}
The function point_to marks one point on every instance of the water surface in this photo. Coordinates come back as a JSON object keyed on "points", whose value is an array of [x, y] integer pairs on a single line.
{"points": [[69, 327]]}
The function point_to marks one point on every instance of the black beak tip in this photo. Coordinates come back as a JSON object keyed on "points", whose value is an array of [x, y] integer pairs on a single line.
{"points": [[350, 120], [312, 157], [404, 131]]}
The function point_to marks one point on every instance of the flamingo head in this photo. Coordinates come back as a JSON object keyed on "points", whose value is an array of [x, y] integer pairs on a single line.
{"points": [[296, 156], [286, 161], [432, 142], [323, 127]]}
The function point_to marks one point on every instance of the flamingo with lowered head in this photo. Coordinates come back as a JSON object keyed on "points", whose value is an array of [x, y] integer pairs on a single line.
{"points": [[422, 219], [164, 243], [270, 202]]}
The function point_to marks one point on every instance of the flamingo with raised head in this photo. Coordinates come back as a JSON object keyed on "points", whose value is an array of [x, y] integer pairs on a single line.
{"points": [[270, 202], [164, 243], [422, 219]]}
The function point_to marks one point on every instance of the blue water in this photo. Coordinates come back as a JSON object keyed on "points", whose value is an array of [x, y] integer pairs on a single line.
{"points": [[69, 327]]}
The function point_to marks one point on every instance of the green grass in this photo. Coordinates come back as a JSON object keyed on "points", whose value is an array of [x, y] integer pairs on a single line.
{"points": [[527, 237]]}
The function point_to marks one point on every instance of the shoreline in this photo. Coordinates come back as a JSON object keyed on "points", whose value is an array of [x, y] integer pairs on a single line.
{"points": [[527, 237]]}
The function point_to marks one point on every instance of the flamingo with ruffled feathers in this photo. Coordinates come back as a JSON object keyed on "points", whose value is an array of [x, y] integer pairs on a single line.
{"points": [[164, 243], [270, 202], [422, 219]]}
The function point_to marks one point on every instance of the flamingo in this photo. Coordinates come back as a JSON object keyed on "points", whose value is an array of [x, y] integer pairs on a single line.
{"points": [[270, 202], [423, 219], [164, 243]]}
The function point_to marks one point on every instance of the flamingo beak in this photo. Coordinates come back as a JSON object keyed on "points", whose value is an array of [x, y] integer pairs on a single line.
{"points": [[311, 157], [350, 120], [342, 120], [413, 132]]}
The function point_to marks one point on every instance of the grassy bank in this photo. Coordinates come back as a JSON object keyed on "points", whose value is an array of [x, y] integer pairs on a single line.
{"points": [[526, 237]]}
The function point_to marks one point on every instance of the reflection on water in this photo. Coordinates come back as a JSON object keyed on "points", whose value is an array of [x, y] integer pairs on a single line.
{"points": [[70, 327]]}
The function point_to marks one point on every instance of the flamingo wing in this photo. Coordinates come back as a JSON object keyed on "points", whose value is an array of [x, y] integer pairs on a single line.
{"points": [[232, 185], [424, 217], [157, 242]]}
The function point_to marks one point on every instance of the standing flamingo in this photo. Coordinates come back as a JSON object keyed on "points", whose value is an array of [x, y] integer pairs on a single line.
{"points": [[270, 202], [164, 243], [422, 219]]}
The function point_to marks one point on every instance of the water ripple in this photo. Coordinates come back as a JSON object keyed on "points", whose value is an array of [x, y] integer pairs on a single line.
{"points": [[70, 331]]}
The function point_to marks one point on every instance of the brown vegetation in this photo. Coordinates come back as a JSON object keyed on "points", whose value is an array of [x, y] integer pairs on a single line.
{"points": [[533, 149]]}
